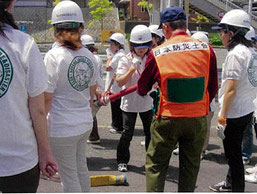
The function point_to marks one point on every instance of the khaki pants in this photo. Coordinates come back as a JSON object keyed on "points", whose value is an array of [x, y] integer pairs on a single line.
{"points": [[165, 133]]}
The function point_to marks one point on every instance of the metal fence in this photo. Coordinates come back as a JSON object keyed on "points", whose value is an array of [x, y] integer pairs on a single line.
{"points": [[34, 21]]}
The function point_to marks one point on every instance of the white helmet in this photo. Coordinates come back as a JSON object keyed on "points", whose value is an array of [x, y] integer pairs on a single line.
{"points": [[118, 37], [250, 34], [140, 34], [67, 11], [87, 40], [201, 36], [237, 18], [154, 30]]}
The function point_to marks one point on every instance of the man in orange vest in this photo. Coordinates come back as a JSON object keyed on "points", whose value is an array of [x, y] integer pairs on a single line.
{"points": [[186, 71]]}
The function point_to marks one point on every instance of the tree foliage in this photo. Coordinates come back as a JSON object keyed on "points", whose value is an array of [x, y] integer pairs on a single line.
{"points": [[55, 2], [99, 9], [146, 5]]}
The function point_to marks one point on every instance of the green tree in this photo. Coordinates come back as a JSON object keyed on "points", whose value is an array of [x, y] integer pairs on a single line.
{"points": [[55, 2], [146, 5], [99, 9], [199, 18]]}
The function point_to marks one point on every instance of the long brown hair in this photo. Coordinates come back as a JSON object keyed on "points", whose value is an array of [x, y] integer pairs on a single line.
{"points": [[5, 16], [69, 38]]}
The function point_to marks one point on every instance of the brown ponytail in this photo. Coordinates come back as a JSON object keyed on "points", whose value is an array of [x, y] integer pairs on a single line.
{"points": [[5, 16], [69, 38]]}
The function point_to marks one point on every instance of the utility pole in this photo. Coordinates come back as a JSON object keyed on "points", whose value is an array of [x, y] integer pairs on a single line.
{"points": [[187, 9], [250, 7]]}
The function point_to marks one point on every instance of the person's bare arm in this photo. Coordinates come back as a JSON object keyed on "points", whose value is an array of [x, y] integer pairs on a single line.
{"points": [[123, 79], [37, 112], [229, 96], [92, 93], [48, 101]]}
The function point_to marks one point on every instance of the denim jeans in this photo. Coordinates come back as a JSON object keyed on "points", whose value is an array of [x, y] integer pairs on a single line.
{"points": [[129, 120], [247, 144]]}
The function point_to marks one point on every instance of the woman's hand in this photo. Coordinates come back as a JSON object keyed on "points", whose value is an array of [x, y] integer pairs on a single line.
{"points": [[47, 164]]}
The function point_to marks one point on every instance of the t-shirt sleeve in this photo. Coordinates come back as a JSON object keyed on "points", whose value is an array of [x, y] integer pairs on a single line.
{"points": [[123, 66], [234, 67], [52, 71], [36, 76], [114, 61], [96, 72]]}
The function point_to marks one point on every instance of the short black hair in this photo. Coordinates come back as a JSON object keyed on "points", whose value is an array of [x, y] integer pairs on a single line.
{"points": [[177, 24]]}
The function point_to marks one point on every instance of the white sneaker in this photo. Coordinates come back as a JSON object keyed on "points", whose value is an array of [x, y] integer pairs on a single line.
{"points": [[251, 170], [251, 178], [122, 167], [176, 151]]}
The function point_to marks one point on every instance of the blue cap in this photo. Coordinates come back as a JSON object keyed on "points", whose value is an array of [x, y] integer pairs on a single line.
{"points": [[171, 14], [145, 45], [218, 27], [254, 38], [109, 41]]}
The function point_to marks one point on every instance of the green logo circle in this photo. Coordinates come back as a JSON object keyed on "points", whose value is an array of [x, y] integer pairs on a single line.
{"points": [[252, 70], [6, 72], [80, 73]]}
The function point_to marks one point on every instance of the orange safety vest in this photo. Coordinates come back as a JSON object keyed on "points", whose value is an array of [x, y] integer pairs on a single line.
{"points": [[184, 64]]}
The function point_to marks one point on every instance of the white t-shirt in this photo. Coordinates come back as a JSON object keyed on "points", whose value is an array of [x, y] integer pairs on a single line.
{"points": [[22, 75], [100, 72], [71, 73], [113, 64], [240, 64], [133, 102]]}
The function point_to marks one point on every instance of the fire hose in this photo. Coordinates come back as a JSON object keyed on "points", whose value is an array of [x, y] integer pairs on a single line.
{"points": [[109, 97]]}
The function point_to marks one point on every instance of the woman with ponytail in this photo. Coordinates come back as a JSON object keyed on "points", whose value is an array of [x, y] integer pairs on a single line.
{"points": [[24, 148], [69, 96]]}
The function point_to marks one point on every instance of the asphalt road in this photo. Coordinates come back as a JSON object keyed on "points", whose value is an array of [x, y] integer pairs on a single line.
{"points": [[102, 161], [102, 158]]}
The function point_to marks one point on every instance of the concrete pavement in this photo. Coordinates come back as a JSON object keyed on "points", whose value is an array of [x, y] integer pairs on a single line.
{"points": [[102, 161]]}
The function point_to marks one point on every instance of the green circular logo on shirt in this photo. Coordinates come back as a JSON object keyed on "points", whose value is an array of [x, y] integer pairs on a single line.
{"points": [[6, 72], [80, 73], [252, 71]]}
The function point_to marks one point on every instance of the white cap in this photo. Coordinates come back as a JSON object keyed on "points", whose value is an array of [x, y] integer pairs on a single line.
{"points": [[87, 40], [154, 30], [201, 36], [140, 34], [118, 37], [67, 11], [235, 17]]}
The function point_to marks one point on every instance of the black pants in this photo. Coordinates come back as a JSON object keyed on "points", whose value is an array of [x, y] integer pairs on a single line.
{"points": [[129, 120], [233, 151], [26, 182], [116, 115], [94, 135]]}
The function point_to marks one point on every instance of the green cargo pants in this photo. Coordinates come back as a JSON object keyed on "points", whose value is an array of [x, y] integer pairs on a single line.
{"points": [[165, 133]]}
